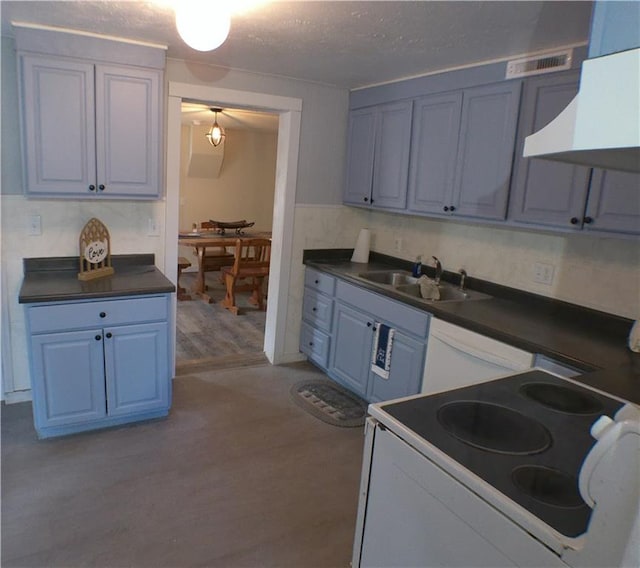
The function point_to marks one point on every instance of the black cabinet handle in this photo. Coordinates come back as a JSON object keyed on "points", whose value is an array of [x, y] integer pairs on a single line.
{"points": [[314, 309], [101, 187], [372, 200], [446, 208], [369, 324], [92, 187], [98, 337], [103, 315], [109, 335], [366, 199], [317, 281], [588, 220], [375, 328], [453, 208], [310, 343], [574, 220]]}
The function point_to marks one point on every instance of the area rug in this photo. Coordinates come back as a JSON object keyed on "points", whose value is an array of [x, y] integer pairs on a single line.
{"points": [[330, 403]]}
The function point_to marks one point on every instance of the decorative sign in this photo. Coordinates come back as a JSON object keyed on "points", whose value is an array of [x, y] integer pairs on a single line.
{"points": [[95, 253]]}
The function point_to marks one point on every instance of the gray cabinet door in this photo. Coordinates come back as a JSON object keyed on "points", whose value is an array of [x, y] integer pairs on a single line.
{"points": [[68, 378], [391, 161], [545, 192], [434, 147], [58, 123], [614, 202], [128, 131], [485, 151], [136, 368], [362, 124], [351, 350], [405, 372]]}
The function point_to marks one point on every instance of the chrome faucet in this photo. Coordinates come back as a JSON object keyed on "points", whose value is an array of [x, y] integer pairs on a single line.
{"points": [[463, 275], [438, 267]]}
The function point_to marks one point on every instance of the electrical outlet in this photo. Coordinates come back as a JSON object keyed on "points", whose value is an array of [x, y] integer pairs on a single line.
{"points": [[543, 273], [35, 225], [398, 244], [153, 229]]}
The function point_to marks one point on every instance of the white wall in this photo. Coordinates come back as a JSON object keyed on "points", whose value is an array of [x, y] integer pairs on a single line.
{"points": [[244, 188]]}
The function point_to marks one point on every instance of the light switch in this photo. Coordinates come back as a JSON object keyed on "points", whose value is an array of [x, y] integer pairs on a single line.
{"points": [[35, 225]]}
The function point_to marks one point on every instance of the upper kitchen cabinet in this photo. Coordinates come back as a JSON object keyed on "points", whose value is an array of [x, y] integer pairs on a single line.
{"points": [[567, 196], [614, 202], [378, 156], [462, 150], [547, 192], [434, 147], [90, 128], [485, 150]]}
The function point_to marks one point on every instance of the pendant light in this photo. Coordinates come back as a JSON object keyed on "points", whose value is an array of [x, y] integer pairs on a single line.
{"points": [[202, 24], [216, 134]]}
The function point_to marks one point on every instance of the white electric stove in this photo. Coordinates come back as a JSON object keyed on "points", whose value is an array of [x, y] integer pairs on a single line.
{"points": [[504, 473]]}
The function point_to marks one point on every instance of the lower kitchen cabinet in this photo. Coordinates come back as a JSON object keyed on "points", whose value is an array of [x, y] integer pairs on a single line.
{"points": [[357, 313], [99, 375], [317, 314]]}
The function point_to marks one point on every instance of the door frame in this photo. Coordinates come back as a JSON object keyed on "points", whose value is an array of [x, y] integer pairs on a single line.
{"points": [[289, 111]]}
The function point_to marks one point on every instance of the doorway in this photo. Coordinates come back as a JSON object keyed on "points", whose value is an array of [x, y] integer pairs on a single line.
{"points": [[289, 113], [231, 181]]}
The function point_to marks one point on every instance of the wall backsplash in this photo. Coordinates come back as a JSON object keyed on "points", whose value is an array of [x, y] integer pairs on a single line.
{"points": [[596, 272]]}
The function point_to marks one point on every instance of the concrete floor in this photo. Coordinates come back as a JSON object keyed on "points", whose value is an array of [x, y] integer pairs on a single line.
{"points": [[237, 476]]}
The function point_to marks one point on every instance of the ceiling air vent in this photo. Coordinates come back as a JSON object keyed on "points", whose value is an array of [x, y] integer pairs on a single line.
{"points": [[548, 63]]}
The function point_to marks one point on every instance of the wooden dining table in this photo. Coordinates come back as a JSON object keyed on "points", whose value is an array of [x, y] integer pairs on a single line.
{"points": [[205, 239]]}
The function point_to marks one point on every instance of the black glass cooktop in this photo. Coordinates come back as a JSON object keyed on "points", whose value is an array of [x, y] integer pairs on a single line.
{"points": [[527, 435]]}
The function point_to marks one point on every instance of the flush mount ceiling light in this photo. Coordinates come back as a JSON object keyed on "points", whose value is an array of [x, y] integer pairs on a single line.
{"points": [[216, 133], [203, 25]]}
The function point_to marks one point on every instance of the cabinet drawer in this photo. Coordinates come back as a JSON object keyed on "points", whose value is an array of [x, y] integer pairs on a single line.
{"points": [[319, 281], [317, 309], [389, 311], [315, 345], [99, 313]]}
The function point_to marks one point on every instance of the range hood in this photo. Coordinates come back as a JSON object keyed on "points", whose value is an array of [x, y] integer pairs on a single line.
{"points": [[601, 126]]}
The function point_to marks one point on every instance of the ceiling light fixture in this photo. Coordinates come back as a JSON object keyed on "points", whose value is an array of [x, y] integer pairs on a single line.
{"points": [[203, 25], [216, 134]]}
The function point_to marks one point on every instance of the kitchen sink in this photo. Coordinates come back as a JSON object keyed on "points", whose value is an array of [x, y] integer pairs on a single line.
{"points": [[448, 293], [404, 283], [389, 277]]}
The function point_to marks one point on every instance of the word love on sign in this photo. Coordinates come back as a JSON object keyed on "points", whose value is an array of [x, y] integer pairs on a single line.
{"points": [[95, 253]]}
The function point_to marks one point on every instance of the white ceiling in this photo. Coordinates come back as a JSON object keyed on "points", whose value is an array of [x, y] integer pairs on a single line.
{"points": [[343, 43], [347, 44]]}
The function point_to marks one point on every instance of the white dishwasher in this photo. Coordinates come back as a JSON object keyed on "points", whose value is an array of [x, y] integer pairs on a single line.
{"points": [[457, 357]]}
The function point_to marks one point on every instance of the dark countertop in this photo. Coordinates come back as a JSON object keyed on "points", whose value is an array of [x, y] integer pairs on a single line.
{"points": [[579, 337], [56, 279]]}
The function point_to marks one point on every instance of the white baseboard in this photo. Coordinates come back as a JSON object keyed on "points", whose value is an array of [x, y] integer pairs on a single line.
{"points": [[17, 396]]}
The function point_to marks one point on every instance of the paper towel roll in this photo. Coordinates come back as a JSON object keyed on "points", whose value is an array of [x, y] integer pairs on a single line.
{"points": [[361, 252]]}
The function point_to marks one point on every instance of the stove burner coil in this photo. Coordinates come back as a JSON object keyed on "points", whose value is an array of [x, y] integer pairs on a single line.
{"points": [[561, 398], [549, 486], [493, 428]]}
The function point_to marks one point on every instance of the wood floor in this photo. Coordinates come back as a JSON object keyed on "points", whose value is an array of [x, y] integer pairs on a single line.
{"points": [[207, 335], [237, 476]]}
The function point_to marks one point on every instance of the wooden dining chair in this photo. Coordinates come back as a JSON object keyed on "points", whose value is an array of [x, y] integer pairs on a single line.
{"points": [[215, 258], [250, 268]]}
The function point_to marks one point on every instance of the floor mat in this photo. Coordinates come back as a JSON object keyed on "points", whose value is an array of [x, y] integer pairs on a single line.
{"points": [[330, 402]]}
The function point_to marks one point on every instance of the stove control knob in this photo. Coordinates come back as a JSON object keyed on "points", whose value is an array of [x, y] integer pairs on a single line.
{"points": [[600, 426]]}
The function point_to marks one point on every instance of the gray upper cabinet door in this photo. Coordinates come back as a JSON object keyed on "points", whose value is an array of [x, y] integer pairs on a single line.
{"points": [[391, 162], [434, 146], [90, 130], [362, 125], [614, 202], [58, 123], [485, 151], [546, 192], [128, 131]]}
